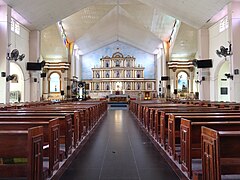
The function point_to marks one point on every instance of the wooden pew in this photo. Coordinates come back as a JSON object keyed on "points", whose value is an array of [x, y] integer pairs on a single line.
{"points": [[75, 116], [51, 134], [191, 139], [94, 117], [90, 112], [87, 117], [22, 144], [65, 127], [158, 119], [144, 113], [147, 111], [190, 131], [162, 119], [220, 153], [84, 121], [174, 121]]}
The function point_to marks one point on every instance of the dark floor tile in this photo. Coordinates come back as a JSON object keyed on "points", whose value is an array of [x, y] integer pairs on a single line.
{"points": [[119, 150], [119, 173], [81, 174], [157, 174]]}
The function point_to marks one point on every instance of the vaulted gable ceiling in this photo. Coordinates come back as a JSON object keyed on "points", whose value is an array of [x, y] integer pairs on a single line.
{"points": [[118, 24], [141, 23]]}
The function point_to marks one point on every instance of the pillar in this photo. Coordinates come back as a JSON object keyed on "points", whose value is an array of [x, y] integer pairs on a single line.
{"points": [[191, 80], [79, 67], [164, 70], [34, 56], [234, 36], [203, 49], [5, 36]]}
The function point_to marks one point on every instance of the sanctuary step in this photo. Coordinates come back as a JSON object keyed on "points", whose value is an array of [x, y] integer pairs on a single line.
{"points": [[119, 105]]}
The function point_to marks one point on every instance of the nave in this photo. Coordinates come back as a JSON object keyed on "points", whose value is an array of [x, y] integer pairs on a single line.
{"points": [[119, 150]]}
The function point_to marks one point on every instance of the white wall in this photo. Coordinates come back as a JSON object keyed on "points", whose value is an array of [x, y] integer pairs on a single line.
{"points": [[19, 86], [216, 39], [21, 42], [223, 81]]}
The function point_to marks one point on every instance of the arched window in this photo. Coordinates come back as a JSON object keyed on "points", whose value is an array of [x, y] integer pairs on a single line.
{"points": [[182, 81], [54, 82]]}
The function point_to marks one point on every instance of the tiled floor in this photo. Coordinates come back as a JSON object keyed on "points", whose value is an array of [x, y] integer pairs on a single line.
{"points": [[119, 150]]}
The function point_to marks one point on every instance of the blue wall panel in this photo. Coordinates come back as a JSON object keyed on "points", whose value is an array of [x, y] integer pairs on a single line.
{"points": [[92, 59]]}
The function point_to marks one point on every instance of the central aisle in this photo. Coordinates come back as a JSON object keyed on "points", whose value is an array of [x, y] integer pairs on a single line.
{"points": [[119, 150]]}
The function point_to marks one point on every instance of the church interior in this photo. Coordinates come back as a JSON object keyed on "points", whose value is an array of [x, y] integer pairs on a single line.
{"points": [[98, 83]]}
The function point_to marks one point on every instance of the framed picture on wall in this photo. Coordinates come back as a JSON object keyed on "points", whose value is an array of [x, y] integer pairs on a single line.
{"points": [[224, 91]]}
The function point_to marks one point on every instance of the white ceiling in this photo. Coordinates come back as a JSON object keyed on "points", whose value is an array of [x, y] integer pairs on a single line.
{"points": [[141, 23]]}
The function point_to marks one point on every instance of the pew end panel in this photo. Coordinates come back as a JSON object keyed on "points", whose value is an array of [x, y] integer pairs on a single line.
{"points": [[22, 144], [185, 130], [210, 154], [54, 145]]}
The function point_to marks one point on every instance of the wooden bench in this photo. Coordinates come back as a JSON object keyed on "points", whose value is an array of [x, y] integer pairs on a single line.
{"points": [[174, 124], [159, 118], [147, 111], [162, 120], [90, 112], [78, 118], [220, 153], [174, 121], [191, 140], [86, 116], [27, 144], [51, 134], [65, 127], [144, 113], [91, 118]]}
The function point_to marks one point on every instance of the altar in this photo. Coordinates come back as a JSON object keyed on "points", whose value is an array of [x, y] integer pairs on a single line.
{"points": [[118, 98]]}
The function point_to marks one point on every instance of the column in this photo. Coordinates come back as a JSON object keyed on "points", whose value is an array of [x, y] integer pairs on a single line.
{"points": [[34, 56], [78, 67], [45, 86], [206, 89], [234, 31], [73, 62], [173, 82], [174, 74], [5, 36], [64, 73], [158, 71], [67, 86], [191, 78], [164, 59]]}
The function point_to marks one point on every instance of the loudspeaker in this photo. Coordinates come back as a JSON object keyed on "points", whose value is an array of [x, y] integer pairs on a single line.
{"points": [[62, 93], [33, 66], [43, 75], [164, 78], [35, 80], [207, 63], [3, 74], [175, 91]]}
